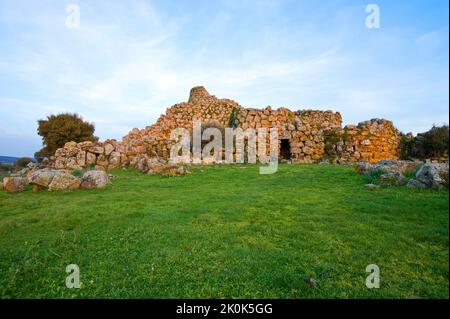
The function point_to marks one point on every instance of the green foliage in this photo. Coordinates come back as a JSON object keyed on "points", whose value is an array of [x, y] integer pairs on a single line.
{"points": [[332, 136], [6, 167], [5, 170], [373, 177], [431, 144], [59, 129], [233, 120], [406, 146], [22, 162], [227, 232], [412, 174], [77, 172]]}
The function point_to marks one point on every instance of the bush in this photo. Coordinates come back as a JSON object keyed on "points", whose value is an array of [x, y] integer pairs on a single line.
{"points": [[59, 129], [406, 146], [77, 173], [5, 170], [373, 177], [233, 120], [22, 162], [431, 144]]}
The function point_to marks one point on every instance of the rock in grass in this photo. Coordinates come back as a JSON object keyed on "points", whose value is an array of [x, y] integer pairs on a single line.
{"points": [[433, 175], [43, 177], [14, 184], [371, 186], [63, 182], [311, 282], [94, 179], [412, 183]]}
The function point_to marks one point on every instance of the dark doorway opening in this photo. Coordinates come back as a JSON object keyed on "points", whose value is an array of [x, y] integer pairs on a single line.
{"points": [[285, 149]]}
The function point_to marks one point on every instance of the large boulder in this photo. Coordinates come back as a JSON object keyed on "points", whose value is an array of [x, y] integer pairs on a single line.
{"points": [[43, 177], [94, 179], [14, 184], [413, 183], [392, 171], [114, 160], [109, 148], [64, 182], [433, 175]]}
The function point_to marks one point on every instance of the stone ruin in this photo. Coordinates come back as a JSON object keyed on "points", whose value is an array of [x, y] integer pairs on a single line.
{"points": [[305, 136]]}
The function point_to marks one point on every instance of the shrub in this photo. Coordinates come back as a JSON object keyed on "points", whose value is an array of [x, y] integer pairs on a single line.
{"points": [[5, 170], [412, 173], [233, 121], [59, 129], [406, 146], [431, 144], [77, 172], [373, 177], [22, 162]]}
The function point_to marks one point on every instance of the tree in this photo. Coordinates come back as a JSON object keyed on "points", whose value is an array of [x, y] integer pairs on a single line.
{"points": [[23, 162], [59, 129], [431, 144]]}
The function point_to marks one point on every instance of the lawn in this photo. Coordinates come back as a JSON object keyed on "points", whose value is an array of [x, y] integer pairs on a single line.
{"points": [[227, 232]]}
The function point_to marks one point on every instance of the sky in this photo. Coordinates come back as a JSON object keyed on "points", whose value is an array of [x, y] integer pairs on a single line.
{"points": [[127, 61]]}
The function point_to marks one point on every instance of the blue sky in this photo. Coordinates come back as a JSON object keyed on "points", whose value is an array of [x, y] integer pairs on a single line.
{"points": [[130, 60]]}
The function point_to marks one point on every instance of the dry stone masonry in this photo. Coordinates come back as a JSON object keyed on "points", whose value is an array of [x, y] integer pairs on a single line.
{"points": [[305, 136]]}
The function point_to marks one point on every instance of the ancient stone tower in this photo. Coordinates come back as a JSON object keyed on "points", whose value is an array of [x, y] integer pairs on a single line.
{"points": [[305, 136]]}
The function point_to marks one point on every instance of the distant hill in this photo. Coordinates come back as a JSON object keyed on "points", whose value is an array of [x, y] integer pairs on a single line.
{"points": [[8, 159]]}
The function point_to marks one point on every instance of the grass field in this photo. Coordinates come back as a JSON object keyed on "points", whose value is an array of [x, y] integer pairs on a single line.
{"points": [[226, 231]]}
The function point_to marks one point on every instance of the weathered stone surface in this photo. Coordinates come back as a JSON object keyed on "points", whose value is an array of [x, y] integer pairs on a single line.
{"points": [[72, 163], [91, 159], [81, 158], [393, 170], [433, 175], [94, 179], [371, 186], [114, 160], [85, 145], [96, 149], [108, 149], [64, 182], [312, 135], [102, 160], [412, 183], [70, 145], [43, 177], [61, 163], [14, 184]]}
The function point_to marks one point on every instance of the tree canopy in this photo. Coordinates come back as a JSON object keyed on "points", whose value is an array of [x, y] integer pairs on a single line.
{"points": [[59, 129]]}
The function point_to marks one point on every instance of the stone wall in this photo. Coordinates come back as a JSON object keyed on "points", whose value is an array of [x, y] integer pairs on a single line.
{"points": [[309, 134], [107, 155], [369, 141]]}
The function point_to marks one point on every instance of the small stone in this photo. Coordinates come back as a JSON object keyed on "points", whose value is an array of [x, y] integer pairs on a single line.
{"points": [[413, 183], [371, 186], [311, 282]]}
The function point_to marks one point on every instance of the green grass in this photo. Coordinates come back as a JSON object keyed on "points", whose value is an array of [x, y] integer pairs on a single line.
{"points": [[227, 232]]}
